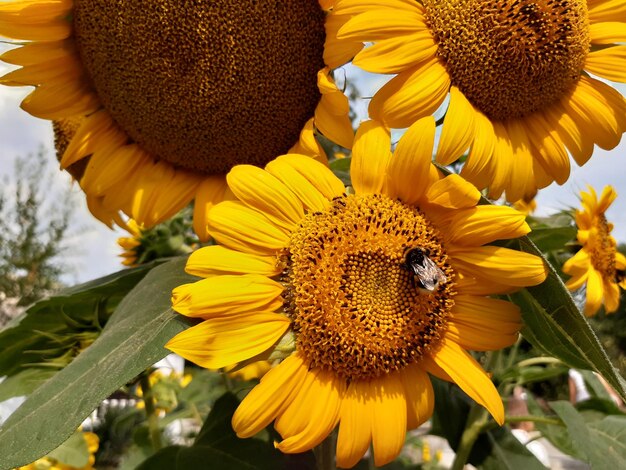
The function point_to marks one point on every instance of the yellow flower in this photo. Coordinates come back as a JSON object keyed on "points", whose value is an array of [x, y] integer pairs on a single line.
{"points": [[515, 73], [153, 103], [164, 390], [130, 244], [597, 264], [251, 371], [527, 206], [332, 284]]}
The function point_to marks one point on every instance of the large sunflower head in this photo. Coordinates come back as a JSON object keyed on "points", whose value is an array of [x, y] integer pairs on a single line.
{"points": [[598, 264], [516, 73], [361, 294], [164, 97]]}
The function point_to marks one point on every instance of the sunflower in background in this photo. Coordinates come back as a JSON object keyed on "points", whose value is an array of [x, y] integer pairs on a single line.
{"points": [[361, 295], [516, 73], [164, 390], [174, 237], [154, 101], [526, 206], [597, 265]]}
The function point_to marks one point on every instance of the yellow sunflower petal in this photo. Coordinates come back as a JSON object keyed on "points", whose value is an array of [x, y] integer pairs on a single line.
{"points": [[548, 148], [338, 51], [58, 101], [481, 337], [501, 165], [210, 192], [314, 412], [356, 421], [389, 409], [236, 226], [468, 375], [220, 342], [267, 400], [579, 144], [332, 112], [370, 156], [420, 397], [611, 296], [453, 192], [609, 32], [262, 191], [478, 167], [484, 224], [396, 54], [609, 63], [457, 132], [227, 295], [409, 169], [606, 10], [595, 293], [317, 174], [411, 95], [382, 23], [475, 286], [36, 52], [483, 311], [216, 259], [308, 145], [620, 261], [520, 184], [580, 260], [311, 197], [152, 205], [500, 265]]}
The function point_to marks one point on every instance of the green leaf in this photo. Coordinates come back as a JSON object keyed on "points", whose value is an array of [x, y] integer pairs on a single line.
{"points": [[554, 324], [509, 453], [21, 346], [24, 382], [217, 447], [128, 346], [552, 238], [73, 452], [601, 443]]}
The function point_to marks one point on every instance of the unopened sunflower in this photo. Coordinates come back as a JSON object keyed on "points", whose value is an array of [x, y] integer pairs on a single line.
{"points": [[361, 294], [516, 73], [154, 101], [598, 264]]}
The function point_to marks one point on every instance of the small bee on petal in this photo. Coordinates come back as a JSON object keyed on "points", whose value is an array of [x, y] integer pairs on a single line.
{"points": [[427, 276]]}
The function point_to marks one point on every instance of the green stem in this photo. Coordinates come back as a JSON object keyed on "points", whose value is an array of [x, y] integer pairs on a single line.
{"points": [[534, 419], [476, 420], [153, 418], [325, 454], [538, 360]]}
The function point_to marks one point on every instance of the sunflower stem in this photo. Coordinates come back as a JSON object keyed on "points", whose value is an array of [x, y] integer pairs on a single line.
{"points": [[476, 421], [325, 454], [153, 418]]}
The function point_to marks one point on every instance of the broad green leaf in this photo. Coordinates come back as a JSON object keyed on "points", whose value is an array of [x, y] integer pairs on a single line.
{"points": [[601, 443], [509, 453], [555, 433], [217, 447], [24, 382], [126, 347], [22, 345], [552, 238], [73, 452], [554, 324]]}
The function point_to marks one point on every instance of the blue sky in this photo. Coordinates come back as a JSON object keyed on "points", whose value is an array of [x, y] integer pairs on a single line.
{"points": [[93, 249]]}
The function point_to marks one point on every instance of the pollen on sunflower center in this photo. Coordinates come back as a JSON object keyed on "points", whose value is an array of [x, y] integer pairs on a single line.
{"points": [[356, 309], [511, 57], [205, 85], [602, 249]]}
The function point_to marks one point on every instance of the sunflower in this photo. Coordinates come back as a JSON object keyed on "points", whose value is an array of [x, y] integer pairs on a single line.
{"points": [[527, 206], [154, 101], [131, 244], [515, 74], [361, 295], [597, 264]]}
